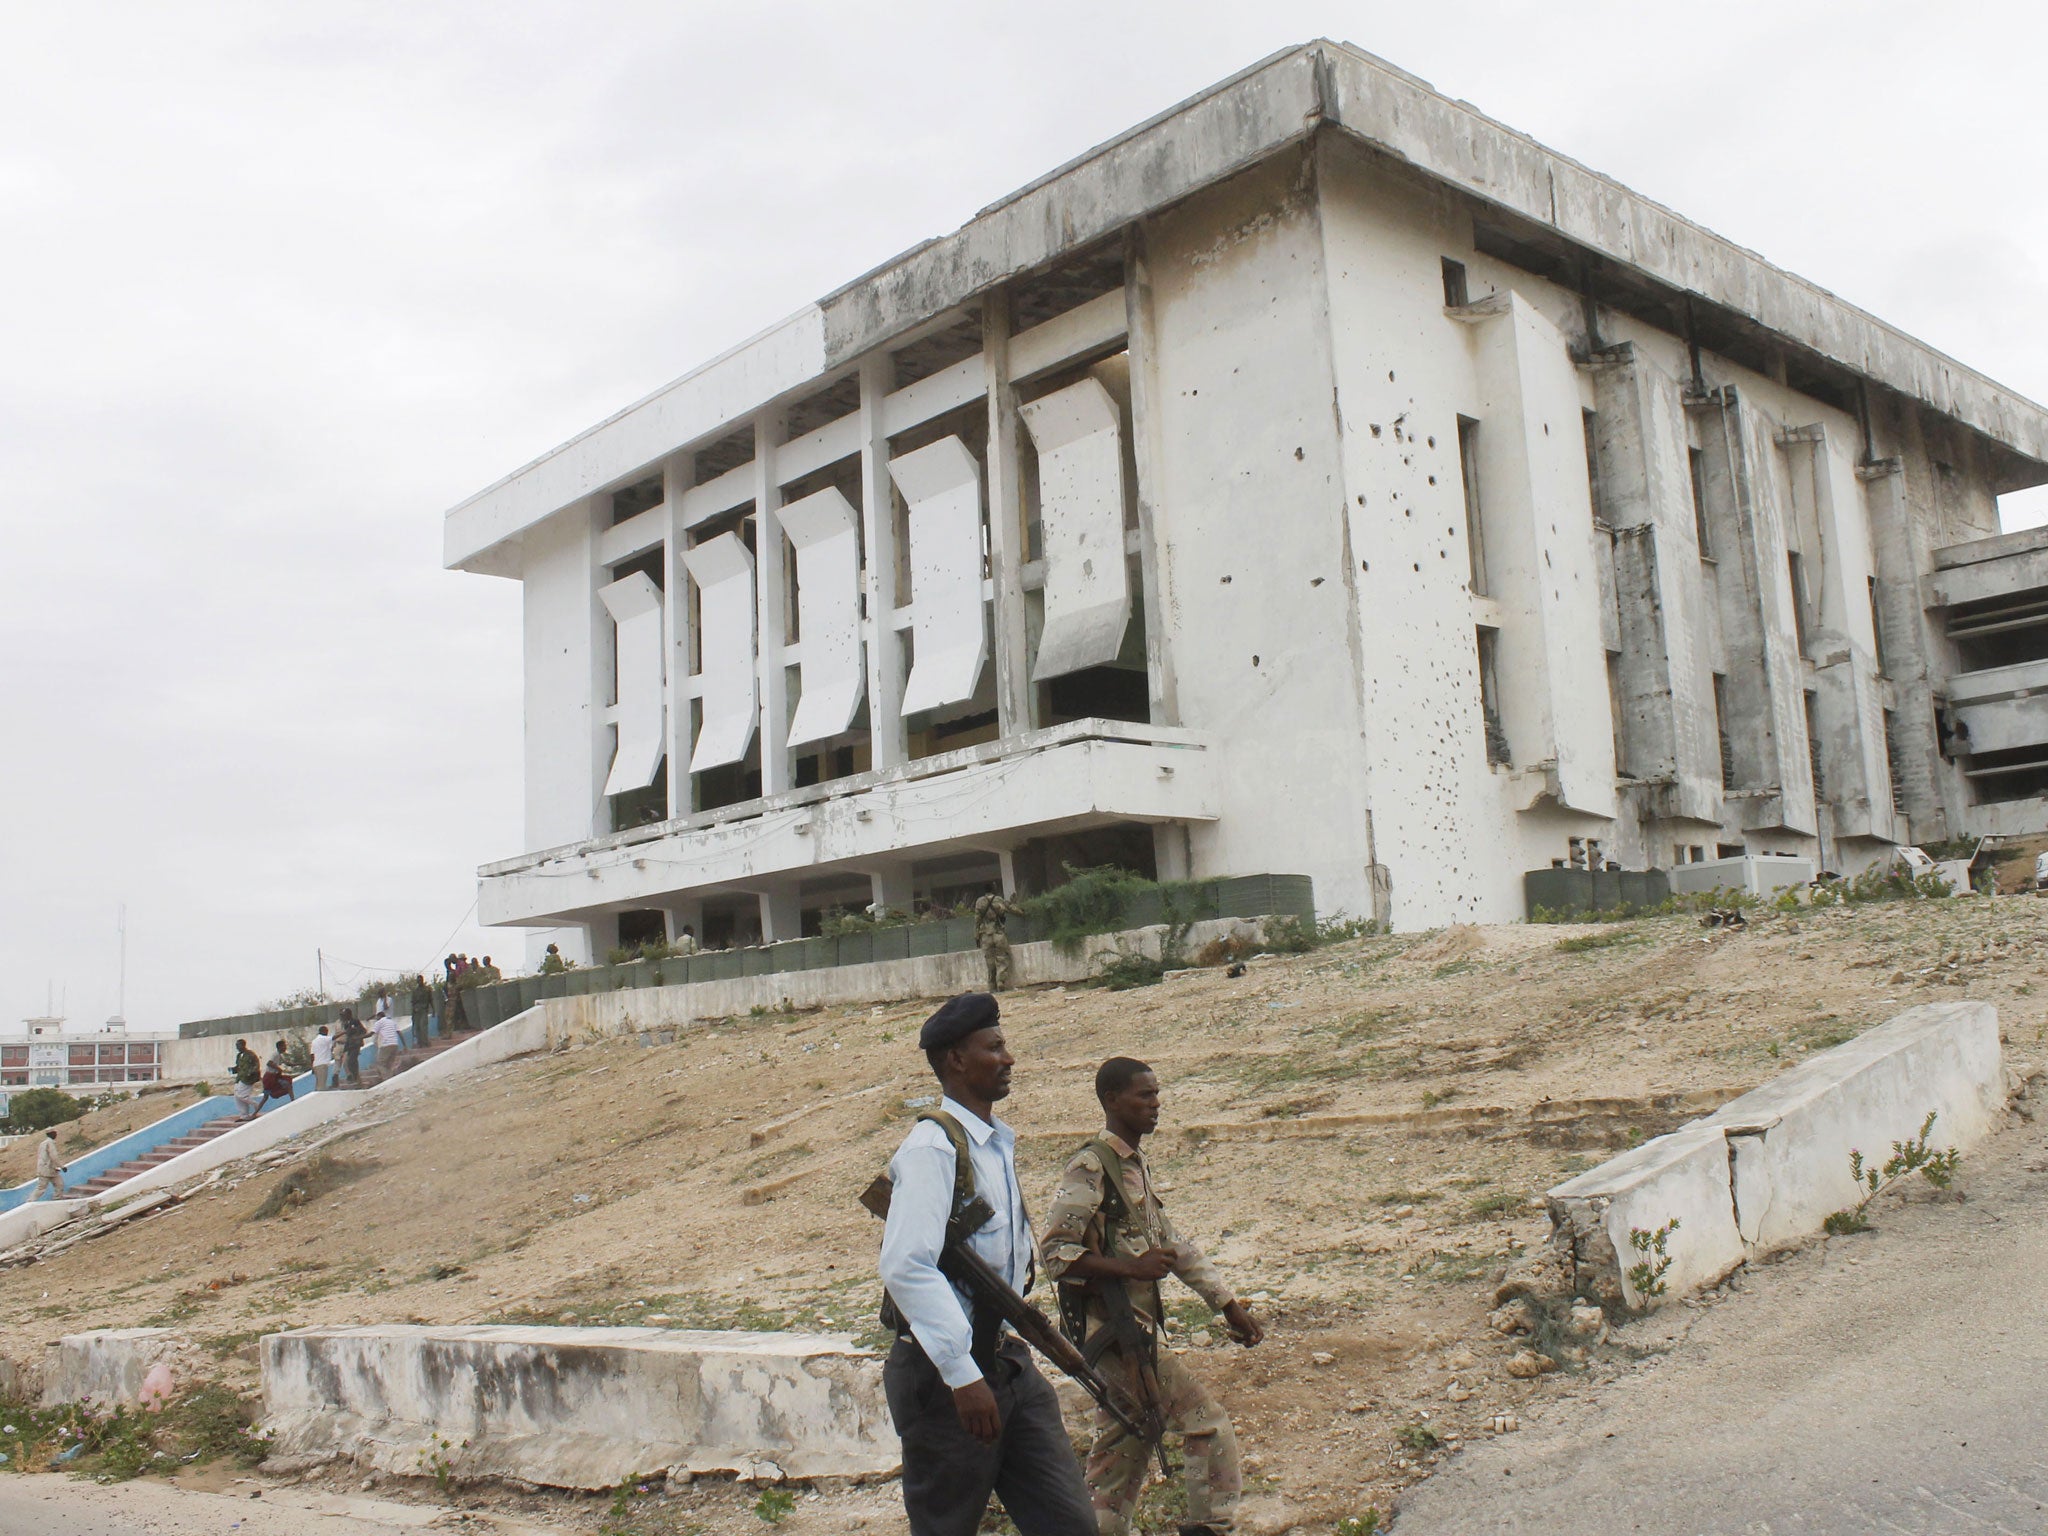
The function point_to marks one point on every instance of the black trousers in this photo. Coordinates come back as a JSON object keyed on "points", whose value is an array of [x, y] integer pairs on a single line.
{"points": [[948, 1475]]}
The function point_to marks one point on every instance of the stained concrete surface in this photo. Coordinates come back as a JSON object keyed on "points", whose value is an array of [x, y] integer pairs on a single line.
{"points": [[53, 1505], [1886, 1383]]}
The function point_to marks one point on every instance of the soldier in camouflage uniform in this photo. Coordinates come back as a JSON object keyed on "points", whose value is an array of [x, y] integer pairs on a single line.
{"points": [[993, 939], [1107, 1228]]}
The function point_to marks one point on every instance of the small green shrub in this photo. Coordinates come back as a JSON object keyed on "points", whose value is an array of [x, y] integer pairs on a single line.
{"points": [[1580, 943], [774, 1505], [1289, 934], [1418, 1438], [1367, 1524], [1908, 1158], [1653, 1262]]}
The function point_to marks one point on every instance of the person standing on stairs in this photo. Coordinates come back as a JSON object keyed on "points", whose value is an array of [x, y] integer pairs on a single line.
{"points": [[49, 1168], [248, 1073], [352, 1037], [387, 1045], [422, 1005], [323, 1061]]}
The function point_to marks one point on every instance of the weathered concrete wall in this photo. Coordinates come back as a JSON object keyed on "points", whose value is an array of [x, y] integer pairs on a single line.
{"points": [[646, 1008], [579, 1407], [109, 1368], [1770, 1167]]}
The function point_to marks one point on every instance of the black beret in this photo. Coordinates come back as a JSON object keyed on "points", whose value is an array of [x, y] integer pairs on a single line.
{"points": [[957, 1018]]}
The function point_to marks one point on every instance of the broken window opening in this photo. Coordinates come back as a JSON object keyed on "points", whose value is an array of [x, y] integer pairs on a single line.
{"points": [[1795, 568], [1614, 709], [641, 807], [1098, 693], [1590, 421], [1721, 729], [1457, 288], [1498, 753], [1468, 469], [1895, 764], [1820, 788], [1696, 462], [648, 925]]}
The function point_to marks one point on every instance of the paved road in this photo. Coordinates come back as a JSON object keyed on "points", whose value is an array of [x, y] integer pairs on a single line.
{"points": [[1894, 1383], [59, 1506]]}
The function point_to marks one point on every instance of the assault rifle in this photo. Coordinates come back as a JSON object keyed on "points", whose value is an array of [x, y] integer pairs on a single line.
{"points": [[969, 1270]]}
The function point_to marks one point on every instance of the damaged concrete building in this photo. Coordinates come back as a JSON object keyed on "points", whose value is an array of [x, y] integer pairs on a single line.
{"points": [[1318, 478]]}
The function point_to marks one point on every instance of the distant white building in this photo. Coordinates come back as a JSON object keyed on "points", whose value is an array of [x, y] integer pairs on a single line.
{"points": [[52, 1052], [1320, 478]]}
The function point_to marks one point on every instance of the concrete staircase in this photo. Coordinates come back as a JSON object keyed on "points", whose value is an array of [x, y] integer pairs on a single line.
{"points": [[100, 1184]]}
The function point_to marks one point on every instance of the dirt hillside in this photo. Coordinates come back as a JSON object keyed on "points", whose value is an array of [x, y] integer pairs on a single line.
{"points": [[1357, 1135]]}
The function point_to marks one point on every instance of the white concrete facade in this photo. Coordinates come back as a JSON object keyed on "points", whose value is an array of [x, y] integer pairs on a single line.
{"points": [[1319, 479]]}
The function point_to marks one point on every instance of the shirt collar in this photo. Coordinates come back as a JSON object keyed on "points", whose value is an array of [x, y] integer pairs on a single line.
{"points": [[977, 1129], [1119, 1147]]}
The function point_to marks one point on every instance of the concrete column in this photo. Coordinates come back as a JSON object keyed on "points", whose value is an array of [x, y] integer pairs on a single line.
{"points": [[892, 887], [676, 476], [771, 626], [1154, 581], [1015, 697], [1006, 864], [888, 742], [781, 917], [604, 665], [1667, 690], [1170, 854], [1913, 644]]}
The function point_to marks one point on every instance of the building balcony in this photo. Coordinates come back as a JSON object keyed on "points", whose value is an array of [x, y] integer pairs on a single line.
{"points": [[1067, 778]]}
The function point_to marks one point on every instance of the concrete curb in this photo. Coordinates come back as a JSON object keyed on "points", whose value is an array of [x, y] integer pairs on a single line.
{"points": [[1770, 1167], [578, 1407]]}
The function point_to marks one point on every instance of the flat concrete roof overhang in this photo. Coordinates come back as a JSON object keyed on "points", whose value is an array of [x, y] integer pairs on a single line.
{"points": [[1086, 773], [1628, 251]]}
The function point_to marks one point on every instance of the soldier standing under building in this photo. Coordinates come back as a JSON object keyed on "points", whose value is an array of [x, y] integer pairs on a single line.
{"points": [[992, 938], [1109, 1242], [974, 1414]]}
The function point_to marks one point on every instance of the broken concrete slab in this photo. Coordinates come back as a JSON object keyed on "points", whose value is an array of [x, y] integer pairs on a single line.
{"points": [[1790, 1140], [1682, 1177], [1769, 1167], [578, 1407], [112, 1367]]}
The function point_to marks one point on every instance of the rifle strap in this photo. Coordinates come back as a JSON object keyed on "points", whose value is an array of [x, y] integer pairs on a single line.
{"points": [[1117, 1219]]}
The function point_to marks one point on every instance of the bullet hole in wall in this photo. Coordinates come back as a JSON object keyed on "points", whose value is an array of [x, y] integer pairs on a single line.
{"points": [[1315, 581], [1432, 442], [1375, 429], [1361, 498], [1226, 581], [1546, 429], [1297, 455], [1255, 661], [1432, 479], [1418, 566], [1365, 565], [1390, 375]]}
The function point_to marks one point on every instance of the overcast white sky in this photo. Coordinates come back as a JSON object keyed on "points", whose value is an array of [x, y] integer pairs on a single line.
{"points": [[281, 283]]}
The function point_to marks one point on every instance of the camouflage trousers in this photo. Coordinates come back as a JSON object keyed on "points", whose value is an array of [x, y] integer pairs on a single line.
{"points": [[995, 954], [1118, 1460]]}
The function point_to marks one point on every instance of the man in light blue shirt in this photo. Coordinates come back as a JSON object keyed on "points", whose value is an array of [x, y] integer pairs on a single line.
{"points": [[974, 1414]]}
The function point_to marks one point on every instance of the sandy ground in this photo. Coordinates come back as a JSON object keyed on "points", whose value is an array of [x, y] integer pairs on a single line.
{"points": [[1358, 1136]]}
